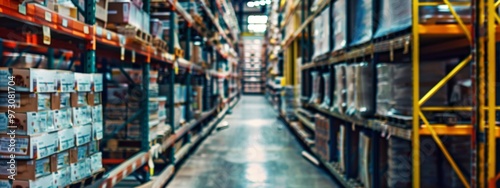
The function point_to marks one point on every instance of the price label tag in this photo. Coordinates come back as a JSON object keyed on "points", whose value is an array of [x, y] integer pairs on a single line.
{"points": [[108, 35], [48, 16], [176, 67], [46, 35], [98, 31], [22, 8], [122, 40], [65, 22], [86, 29], [151, 166], [122, 53], [133, 56]]}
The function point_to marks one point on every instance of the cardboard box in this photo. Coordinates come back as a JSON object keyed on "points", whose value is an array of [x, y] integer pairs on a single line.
{"points": [[96, 162], [65, 81], [29, 147], [97, 131], [65, 100], [62, 177], [79, 99], [82, 152], [26, 123], [93, 99], [94, 146], [66, 139], [122, 13], [101, 10], [97, 84], [28, 80], [28, 169], [82, 115], [63, 159], [155, 27], [62, 118], [42, 182], [97, 114], [83, 82], [71, 12], [83, 134], [31, 102], [80, 170]]}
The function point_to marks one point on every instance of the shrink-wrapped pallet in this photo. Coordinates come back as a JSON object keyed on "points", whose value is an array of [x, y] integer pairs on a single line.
{"points": [[365, 90], [318, 25], [396, 15], [362, 23], [339, 25], [339, 97], [384, 88], [430, 74], [327, 90], [350, 76], [315, 96]]}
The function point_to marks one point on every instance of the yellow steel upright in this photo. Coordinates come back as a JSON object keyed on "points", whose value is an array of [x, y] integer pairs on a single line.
{"points": [[478, 118], [491, 28], [415, 97]]}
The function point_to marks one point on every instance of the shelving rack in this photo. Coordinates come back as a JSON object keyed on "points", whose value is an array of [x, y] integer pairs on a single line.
{"points": [[423, 41], [99, 49]]}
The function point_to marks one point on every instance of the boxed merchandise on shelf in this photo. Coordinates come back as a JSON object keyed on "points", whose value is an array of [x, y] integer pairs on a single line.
{"points": [[365, 85], [326, 90], [30, 147], [42, 182], [350, 75], [124, 13], [28, 169], [316, 95]]}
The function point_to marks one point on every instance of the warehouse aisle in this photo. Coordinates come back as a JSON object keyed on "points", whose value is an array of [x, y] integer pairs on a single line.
{"points": [[256, 150]]}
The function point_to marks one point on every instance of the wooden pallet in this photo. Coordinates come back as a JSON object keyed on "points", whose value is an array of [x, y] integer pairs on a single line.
{"points": [[131, 32], [87, 181], [160, 44]]}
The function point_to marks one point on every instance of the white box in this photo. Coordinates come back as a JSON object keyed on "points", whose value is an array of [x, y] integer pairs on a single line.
{"points": [[65, 81], [97, 84], [97, 113], [26, 123], [63, 160], [65, 100], [62, 118], [83, 134], [75, 173], [42, 182], [83, 82], [97, 131], [62, 177], [29, 147], [28, 80], [96, 162], [66, 139], [82, 115]]}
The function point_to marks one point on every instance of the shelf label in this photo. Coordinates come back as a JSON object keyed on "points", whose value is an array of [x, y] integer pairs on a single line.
{"points": [[176, 67], [22, 8], [64, 22], [86, 29], [46, 35], [151, 166], [108, 35], [122, 53], [122, 40], [48, 16], [133, 56], [98, 31]]}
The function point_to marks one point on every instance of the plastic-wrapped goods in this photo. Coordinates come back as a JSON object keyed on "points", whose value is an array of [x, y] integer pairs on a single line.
{"points": [[318, 36], [327, 90], [315, 90], [339, 97], [430, 74], [395, 15], [364, 87], [364, 160], [350, 76], [362, 27], [384, 88], [340, 24]]}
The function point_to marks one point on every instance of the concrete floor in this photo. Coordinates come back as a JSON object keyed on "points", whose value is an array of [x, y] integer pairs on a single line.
{"points": [[256, 150]]}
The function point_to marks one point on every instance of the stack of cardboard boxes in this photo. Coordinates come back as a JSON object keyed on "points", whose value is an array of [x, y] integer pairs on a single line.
{"points": [[69, 9], [123, 103], [51, 136], [323, 137]]}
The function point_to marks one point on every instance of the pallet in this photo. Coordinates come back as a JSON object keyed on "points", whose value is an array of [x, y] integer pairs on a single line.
{"points": [[160, 44], [131, 32], [115, 144], [87, 181]]}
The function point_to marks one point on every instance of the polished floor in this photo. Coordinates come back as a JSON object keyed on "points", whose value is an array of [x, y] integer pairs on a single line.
{"points": [[255, 151]]}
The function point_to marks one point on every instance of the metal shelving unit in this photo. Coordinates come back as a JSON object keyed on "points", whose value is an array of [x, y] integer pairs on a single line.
{"points": [[100, 49], [421, 41]]}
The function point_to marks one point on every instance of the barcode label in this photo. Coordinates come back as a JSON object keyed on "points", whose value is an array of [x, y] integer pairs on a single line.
{"points": [[48, 16]]}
